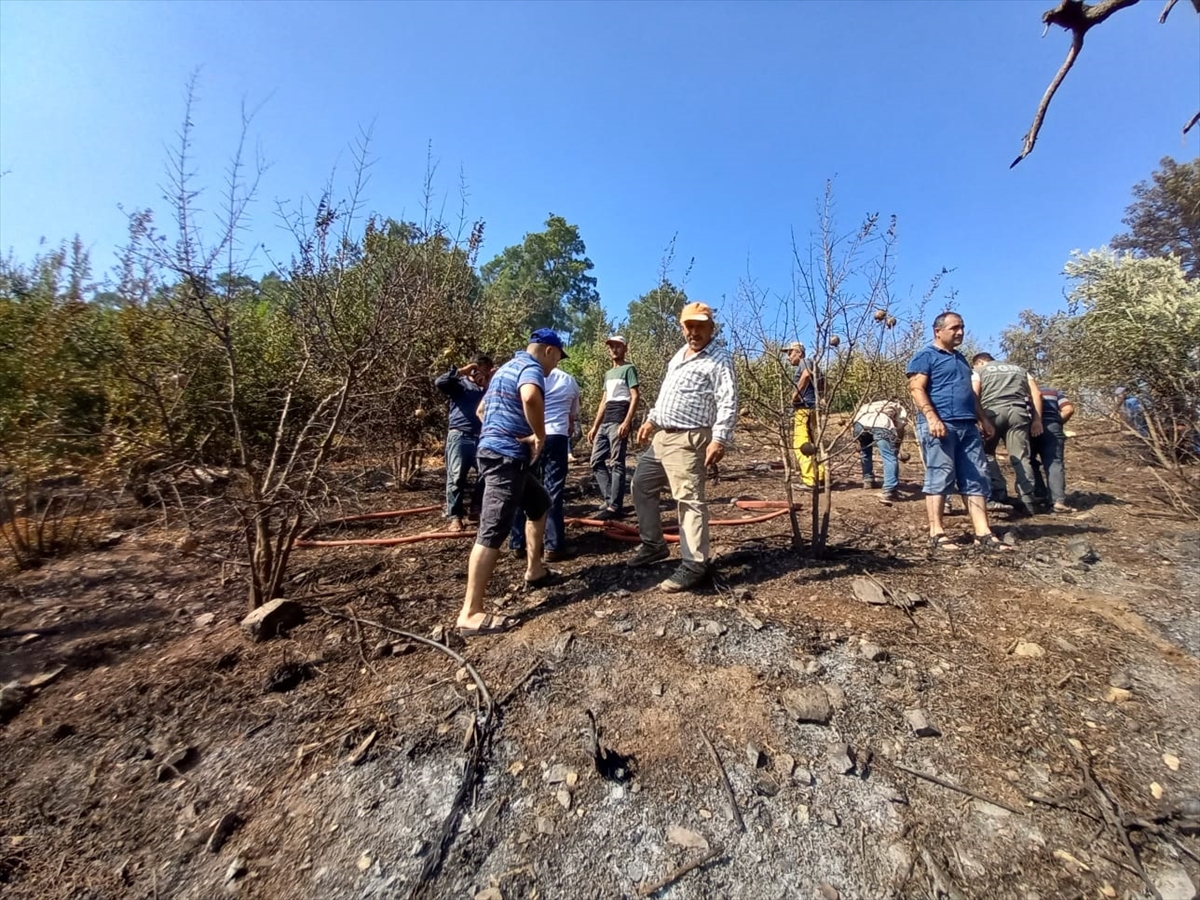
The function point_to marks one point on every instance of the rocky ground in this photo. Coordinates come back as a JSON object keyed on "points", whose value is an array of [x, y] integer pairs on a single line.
{"points": [[1020, 725]]}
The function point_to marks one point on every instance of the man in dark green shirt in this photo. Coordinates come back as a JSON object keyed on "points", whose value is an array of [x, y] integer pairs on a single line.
{"points": [[609, 434]]}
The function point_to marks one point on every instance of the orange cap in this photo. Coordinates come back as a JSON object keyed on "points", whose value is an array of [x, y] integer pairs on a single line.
{"points": [[697, 312]]}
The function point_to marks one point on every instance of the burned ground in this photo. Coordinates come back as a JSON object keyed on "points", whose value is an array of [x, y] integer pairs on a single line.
{"points": [[162, 754]]}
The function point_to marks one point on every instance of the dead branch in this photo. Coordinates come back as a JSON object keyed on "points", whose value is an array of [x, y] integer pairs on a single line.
{"points": [[532, 671], [1162, 16], [1191, 123], [675, 874], [949, 785], [733, 804]]}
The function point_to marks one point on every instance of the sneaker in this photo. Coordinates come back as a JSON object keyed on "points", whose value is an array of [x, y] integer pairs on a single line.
{"points": [[607, 514], [887, 498], [648, 556], [684, 579], [868, 484]]}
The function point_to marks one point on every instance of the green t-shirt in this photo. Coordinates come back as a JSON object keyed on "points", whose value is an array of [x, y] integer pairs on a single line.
{"points": [[617, 384]]}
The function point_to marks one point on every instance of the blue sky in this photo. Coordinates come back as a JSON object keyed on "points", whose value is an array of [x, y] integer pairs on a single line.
{"points": [[718, 122]]}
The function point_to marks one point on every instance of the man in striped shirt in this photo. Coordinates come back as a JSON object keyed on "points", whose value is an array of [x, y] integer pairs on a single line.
{"points": [[692, 422]]}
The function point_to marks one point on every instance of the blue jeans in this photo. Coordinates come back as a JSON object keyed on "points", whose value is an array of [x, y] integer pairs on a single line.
{"points": [[955, 463], [885, 440], [460, 460], [551, 471], [1048, 456], [608, 464]]}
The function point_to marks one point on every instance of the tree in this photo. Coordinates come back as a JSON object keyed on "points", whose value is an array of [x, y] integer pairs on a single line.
{"points": [[543, 282], [654, 334], [1036, 343], [1164, 218], [1079, 18]]}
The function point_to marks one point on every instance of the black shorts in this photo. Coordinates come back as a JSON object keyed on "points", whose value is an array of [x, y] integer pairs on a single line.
{"points": [[508, 485]]}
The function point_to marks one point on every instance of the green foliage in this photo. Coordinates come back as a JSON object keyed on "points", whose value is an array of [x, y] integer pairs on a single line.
{"points": [[653, 333], [1164, 218], [1037, 343]]}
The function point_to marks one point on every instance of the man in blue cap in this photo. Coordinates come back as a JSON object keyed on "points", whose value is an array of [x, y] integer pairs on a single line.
{"points": [[514, 433]]}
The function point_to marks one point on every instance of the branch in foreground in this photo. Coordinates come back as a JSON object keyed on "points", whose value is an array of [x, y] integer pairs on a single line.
{"points": [[1191, 123]]}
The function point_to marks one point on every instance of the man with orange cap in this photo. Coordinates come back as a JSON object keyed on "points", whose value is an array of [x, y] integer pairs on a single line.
{"points": [[692, 422]]}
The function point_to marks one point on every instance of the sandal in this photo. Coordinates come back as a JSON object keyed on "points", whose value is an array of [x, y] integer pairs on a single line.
{"points": [[490, 625], [943, 542], [550, 579], [990, 542]]}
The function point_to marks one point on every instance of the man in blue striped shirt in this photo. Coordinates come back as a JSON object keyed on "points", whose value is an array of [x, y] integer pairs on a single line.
{"points": [[512, 438]]}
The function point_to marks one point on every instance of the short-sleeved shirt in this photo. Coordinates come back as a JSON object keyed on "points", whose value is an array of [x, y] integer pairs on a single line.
{"points": [[618, 384], [464, 397], [1002, 385], [808, 396], [562, 402], [504, 422], [949, 376], [1052, 401]]}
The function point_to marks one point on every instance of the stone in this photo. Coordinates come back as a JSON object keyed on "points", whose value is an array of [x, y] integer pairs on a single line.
{"points": [[808, 704], [635, 871], [622, 626], [753, 621], [419, 848], [1117, 695], [802, 776], [837, 697], [44, 678], [561, 643], [715, 628], [1173, 882], [683, 837], [563, 796], [364, 862], [489, 893], [1079, 549], [813, 667], [1156, 790], [785, 764], [765, 786], [544, 825], [829, 817], [556, 774], [841, 759], [1121, 680], [888, 680], [656, 689], [755, 756], [1028, 650], [382, 649], [221, 831], [802, 814], [873, 652], [204, 619], [919, 722], [236, 869], [1171, 761], [274, 618], [827, 891], [868, 591]]}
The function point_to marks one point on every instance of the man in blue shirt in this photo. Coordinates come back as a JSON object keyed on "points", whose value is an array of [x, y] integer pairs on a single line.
{"points": [[948, 427], [513, 435], [465, 387]]}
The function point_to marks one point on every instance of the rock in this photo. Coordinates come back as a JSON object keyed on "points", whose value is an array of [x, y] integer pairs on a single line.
{"points": [[753, 621], [1156, 790], [1118, 695], [1010, 538], [420, 848], [236, 869], [873, 652], [489, 893], [273, 618], [808, 704], [755, 756], [813, 667], [403, 648], [563, 796], [1173, 882], [556, 774], [110, 540], [635, 871], [802, 776], [1068, 578], [920, 724], [561, 643], [888, 680], [802, 814], [841, 759], [382, 649], [1121, 680], [1029, 650], [26, 639], [1079, 549], [869, 591], [765, 786], [1171, 761], [544, 825], [225, 826], [689, 840], [837, 697], [45, 678], [785, 764], [622, 626], [829, 817], [364, 862], [204, 619], [715, 628], [438, 633], [827, 891], [656, 689]]}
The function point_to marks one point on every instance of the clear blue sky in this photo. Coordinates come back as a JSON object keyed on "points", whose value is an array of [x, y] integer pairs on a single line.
{"points": [[636, 121]]}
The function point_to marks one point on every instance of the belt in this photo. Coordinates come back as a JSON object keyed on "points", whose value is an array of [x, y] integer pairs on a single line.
{"points": [[680, 430]]}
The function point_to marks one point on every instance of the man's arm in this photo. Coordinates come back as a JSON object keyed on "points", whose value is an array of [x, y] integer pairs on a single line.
{"points": [[725, 391], [985, 424], [595, 429], [627, 422], [918, 389], [1066, 408], [801, 384], [533, 402], [448, 382], [1035, 394]]}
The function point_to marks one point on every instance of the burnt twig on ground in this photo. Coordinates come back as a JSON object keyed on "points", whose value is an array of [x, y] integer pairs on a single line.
{"points": [[949, 785], [733, 804], [675, 874], [531, 672]]}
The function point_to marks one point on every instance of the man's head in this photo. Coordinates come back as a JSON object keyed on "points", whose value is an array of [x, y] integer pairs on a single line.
{"points": [[547, 348], [948, 330], [795, 352], [698, 324], [979, 360], [617, 348], [483, 369]]}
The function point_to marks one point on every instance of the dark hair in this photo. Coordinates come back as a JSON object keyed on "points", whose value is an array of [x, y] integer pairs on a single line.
{"points": [[982, 357], [482, 359], [941, 319]]}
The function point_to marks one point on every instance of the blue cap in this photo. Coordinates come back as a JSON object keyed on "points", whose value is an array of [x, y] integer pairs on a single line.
{"points": [[550, 337]]}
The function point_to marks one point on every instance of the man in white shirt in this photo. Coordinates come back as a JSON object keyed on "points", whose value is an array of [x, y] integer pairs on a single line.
{"points": [[881, 424], [695, 415], [562, 411]]}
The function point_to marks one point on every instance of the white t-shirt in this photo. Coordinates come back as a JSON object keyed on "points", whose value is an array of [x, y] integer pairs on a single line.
{"points": [[881, 414], [562, 402]]}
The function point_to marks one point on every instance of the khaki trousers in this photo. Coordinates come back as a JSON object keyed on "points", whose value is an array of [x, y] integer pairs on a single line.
{"points": [[674, 460]]}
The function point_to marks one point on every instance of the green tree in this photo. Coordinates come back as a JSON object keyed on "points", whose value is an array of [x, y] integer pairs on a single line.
{"points": [[1036, 343], [543, 282], [1164, 218], [654, 335]]}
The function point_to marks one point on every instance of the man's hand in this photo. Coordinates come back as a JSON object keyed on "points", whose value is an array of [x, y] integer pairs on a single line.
{"points": [[536, 444], [592, 432], [643, 434], [623, 430], [714, 454], [988, 429], [937, 428], [469, 370], [1035, 427]]}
